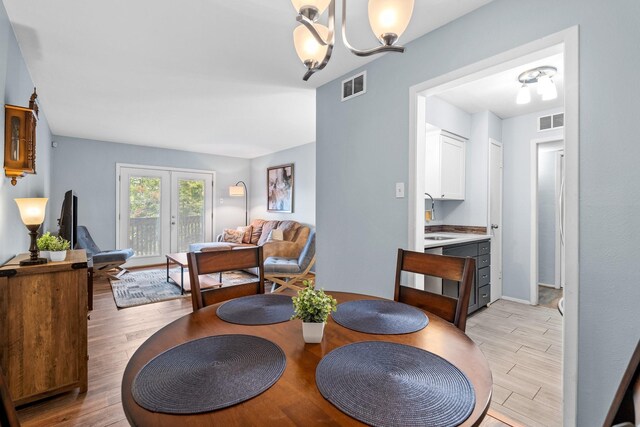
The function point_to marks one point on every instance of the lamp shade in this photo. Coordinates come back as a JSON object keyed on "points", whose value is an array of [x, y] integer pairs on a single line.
{"points": [[524, 95], [32, 210], [321, 5], [389, 16], [236, 191], [307, 47], [547, 88]]}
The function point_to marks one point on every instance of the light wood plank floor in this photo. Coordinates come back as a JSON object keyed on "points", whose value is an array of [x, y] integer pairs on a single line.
{"points": [[523, 345], [114, 335]]}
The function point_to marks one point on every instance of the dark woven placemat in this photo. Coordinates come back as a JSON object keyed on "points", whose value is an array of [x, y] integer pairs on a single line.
{"points": [[261, 309], [208, 374], [388, 384], [380, 317]]}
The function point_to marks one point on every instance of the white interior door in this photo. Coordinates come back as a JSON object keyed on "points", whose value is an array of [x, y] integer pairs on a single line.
{"points": [[495, 217], [162, 212], [145, 206]]}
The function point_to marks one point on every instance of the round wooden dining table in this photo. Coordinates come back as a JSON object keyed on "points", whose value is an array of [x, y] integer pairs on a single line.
{"points": [[294, 400]]}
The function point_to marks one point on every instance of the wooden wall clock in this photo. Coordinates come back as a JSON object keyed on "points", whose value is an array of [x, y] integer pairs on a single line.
{"points": [[20, 139]]}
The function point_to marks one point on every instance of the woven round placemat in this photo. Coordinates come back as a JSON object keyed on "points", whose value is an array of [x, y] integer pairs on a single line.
{"points": [[388, 384], [263, 309], [208, 374], [380, 317]]}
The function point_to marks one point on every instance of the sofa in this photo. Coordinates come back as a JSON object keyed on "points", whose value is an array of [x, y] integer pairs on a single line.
{"points": [[294, 234], [287, 262]]}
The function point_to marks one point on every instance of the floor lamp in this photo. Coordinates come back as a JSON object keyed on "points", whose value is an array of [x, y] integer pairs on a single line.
{"points": [[239, 191]]}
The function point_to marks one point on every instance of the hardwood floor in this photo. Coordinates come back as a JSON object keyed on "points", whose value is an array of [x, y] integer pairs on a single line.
{"points": [[114, 335], [523, 345]]}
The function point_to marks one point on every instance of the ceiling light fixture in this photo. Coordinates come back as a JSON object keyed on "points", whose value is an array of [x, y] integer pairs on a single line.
{"points": [[543, 77], [314, 42]]}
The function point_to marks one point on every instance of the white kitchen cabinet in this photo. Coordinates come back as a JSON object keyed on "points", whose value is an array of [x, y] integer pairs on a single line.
{"points": [[445, 166]]}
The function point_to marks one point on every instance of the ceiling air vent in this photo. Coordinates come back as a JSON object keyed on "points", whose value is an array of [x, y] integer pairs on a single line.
{"points": [[550, 122], [354, 86]]}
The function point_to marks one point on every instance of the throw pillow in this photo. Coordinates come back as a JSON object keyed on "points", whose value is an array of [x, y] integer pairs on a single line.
{"points": [[275, 235], [246, 238], [232, 236]]}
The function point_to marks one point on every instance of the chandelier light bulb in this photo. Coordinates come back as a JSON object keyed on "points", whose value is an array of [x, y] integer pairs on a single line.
{"points": [[389, 17], [549, 91], [310, 52], [524, 95]]}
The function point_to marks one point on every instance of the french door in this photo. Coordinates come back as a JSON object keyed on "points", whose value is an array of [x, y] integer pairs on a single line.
{"points": [[163, 211]]}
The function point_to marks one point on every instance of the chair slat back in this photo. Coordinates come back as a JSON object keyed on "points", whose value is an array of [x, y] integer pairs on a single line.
{"points": [[626, 402], [461, 270], [216, 262], [8, 414]]}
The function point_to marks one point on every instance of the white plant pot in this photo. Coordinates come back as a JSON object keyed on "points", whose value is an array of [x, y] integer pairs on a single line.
{"points": [[58, 255], [45, 255], [312, 332]]}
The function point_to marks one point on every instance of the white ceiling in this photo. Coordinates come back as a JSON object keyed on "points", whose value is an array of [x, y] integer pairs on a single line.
{"points": [[212, 76], [497, 92]]}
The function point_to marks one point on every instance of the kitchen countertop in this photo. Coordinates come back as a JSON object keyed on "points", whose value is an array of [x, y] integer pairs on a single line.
{"points": [[454, 239]]}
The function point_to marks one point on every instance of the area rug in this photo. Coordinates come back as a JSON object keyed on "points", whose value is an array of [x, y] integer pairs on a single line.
{"points": [[149, 286], [549, 297]]}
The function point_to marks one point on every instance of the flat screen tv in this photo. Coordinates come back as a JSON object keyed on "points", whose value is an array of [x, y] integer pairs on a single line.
{"points": [[68, 221]]}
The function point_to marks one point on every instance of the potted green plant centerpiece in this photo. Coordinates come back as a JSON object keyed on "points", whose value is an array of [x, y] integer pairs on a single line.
{"points": [[44, 243], [58, 249], [313, 306]]}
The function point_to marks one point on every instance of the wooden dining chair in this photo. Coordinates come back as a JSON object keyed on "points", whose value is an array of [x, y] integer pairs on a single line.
{"points": [[8, 414], [461, 270], [216, 262], [625, 409]]}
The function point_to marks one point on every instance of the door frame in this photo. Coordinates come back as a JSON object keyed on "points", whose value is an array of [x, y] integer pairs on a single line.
{"points": [[568, 39], [119, 166], [533, 180], [489, 221]]}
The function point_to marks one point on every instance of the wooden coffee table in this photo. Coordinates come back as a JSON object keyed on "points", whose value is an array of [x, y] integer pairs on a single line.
{"points": [[181, 278]]}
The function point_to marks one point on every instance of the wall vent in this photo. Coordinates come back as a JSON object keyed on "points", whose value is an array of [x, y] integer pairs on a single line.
{"points": [[554, 121], [354, 86]]}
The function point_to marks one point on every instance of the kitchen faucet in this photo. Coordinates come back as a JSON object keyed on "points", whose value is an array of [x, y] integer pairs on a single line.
{"points": [[433, 208]]}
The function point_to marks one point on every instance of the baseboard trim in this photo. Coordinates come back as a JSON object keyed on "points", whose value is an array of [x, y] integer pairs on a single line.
{"points": [[518, 300]]}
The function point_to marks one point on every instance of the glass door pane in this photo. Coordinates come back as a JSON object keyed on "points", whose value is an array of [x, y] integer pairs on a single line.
{"points": [[191, 210], [191, 213], [144, 215]]}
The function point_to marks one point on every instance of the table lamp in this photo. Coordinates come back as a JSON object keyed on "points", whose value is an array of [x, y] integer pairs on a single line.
{"points": [[32, 213], [239, 191]]}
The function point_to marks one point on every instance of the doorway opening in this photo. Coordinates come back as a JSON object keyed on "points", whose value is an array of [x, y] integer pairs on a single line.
{"points": [[162, 211], [547, 221], [566, 44]]}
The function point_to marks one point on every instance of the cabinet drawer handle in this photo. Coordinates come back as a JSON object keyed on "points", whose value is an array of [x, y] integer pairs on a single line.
{"points": [[485, 276], [484, 261], [484, 248], [442, 195], [484, 295]]}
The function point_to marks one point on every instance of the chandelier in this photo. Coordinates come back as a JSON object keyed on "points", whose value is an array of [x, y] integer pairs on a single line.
{"points": [[543, 78], [314, 42]]}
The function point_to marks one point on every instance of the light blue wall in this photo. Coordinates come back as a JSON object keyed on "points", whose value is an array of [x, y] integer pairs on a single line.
{"points": [[517, 133], [547, 217], [472, 211], [16, 87], [304, 177], [89, 168], [362, 150], [441, 114]]}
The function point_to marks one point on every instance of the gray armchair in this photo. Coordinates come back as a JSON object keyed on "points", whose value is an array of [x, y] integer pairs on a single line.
{"points": [[290, 272], [101, 260]]}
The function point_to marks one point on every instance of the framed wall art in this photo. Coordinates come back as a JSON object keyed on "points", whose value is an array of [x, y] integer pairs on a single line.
{"points": [[280, 188]]}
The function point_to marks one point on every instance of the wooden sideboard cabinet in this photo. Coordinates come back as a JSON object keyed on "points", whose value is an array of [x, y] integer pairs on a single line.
{"points": [[43, 327]]}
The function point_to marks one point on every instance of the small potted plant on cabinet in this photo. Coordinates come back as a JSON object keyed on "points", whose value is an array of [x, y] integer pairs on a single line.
{"points": [[313, 306], [58, 249], [44, 243]]}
